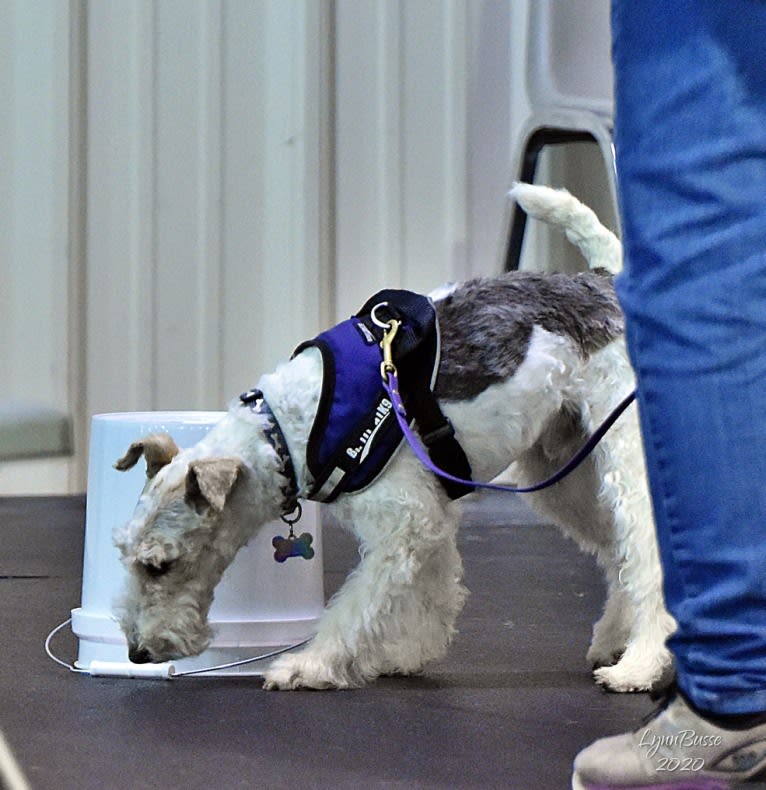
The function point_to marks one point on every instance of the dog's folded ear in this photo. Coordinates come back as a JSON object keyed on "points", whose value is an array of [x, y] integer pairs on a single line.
{"points": [[209, 482], [158, 449]]}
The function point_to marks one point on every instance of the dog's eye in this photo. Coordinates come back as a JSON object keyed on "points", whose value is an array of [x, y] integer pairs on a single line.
{"points": [[158, 570]]}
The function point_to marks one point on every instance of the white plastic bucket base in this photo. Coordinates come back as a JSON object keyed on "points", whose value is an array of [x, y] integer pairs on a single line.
{"points": [[260, 605]]}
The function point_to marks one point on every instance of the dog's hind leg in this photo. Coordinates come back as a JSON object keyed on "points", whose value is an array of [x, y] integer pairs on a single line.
{"points": [[646, 661], [396, 611], [612, 631]]}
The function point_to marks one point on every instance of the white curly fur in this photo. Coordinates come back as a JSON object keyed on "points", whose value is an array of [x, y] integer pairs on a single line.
{"points": [[397, 610]]}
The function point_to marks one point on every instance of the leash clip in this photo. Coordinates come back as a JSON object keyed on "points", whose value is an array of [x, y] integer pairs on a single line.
{"points": [[387, 365]]}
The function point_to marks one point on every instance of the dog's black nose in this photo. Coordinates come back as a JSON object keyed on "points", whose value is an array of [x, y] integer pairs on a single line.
{"points": [[139, 655]]}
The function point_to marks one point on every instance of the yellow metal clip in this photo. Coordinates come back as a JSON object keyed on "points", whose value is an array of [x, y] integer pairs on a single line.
{"points": [[387, 365]]}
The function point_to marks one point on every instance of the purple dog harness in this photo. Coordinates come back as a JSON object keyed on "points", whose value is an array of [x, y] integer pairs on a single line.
{"points": [[355, 432]]}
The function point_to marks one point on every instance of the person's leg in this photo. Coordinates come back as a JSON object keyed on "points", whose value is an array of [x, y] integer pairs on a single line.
{"points": [[691, 151], [690, 88]]}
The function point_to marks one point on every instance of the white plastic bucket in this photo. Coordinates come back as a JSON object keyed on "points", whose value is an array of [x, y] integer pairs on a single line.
{"points": [[260, 605]]}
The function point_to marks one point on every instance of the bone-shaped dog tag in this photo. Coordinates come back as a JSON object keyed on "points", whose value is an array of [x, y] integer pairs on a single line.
{"points": [[284, 548]]}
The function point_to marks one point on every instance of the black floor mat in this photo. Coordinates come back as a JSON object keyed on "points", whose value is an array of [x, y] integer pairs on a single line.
{"points": [[509, 707]]}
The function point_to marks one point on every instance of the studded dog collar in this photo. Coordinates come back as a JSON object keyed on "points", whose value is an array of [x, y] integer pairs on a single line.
{"points": [[255, 399]]}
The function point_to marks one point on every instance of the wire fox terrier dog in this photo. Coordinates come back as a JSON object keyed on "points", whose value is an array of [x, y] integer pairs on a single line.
{"points": [[529, 365]]}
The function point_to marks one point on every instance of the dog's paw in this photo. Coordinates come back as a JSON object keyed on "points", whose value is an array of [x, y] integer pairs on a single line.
{"points": [[633, 673], [602, 656], [614, 678], [302, 670]]}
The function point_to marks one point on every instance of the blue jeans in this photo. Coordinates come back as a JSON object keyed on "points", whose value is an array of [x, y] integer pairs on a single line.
{"points": [[690, 133]]}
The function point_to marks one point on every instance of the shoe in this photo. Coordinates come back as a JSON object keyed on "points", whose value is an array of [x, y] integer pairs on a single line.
{"points": [[675, 749]]}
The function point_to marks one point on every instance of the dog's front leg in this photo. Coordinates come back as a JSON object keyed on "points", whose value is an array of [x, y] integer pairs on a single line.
{"points": [[395, 612]]}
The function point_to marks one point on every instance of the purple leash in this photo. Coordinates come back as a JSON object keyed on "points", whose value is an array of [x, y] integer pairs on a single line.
{"points": [[391, 384]]}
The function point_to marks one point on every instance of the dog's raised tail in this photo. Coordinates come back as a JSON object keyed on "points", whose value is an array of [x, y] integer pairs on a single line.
{"points": [[600, 247]]}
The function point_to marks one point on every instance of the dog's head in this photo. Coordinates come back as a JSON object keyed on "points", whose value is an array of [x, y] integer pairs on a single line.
{"points": [[184, 532]]}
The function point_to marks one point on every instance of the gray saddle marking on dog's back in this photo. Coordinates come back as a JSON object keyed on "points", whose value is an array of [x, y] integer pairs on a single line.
{"points": [[486, 324]]}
